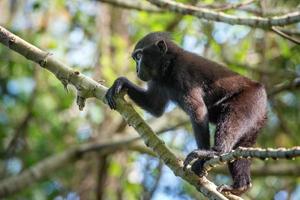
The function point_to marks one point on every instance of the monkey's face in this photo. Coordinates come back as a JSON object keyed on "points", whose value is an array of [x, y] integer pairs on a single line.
{"points": [[149, 60]]}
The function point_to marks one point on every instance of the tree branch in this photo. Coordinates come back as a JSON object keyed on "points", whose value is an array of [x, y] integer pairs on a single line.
{"points": [[235, 5], [292, 85], [137, 5], [26, 178], [290, 31], [86, 87], [248, 153], [285, 35], [278, 170], [208, 14], [134, 6]]}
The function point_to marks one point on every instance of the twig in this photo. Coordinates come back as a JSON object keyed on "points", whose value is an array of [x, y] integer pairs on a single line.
{"points": [[135, 6], [208, 14], [294, 84], [285, 35], [264, 154], [103, 164], [235, 5], [290, 31], [157, 179], [253, 10]]}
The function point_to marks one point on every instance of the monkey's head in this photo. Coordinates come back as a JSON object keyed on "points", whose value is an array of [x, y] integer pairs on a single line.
{"points": [[152, 56]]}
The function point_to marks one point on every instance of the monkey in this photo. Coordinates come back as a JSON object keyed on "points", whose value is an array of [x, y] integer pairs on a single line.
{"points": [[208, 92]]}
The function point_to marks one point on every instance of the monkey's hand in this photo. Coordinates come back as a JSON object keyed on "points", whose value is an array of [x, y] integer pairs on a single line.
{"points": [[196, 160], [119, 85]]}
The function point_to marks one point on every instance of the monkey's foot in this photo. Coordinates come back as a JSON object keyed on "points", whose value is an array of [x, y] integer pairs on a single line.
{"points": [[234, 190], [196, 159]]}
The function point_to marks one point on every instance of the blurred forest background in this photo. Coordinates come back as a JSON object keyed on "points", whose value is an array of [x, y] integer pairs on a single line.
{"points": [[40, 120]]}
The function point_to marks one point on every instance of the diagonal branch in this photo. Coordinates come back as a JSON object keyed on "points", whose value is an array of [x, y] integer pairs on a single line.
{"points": [[87, 87], [208, 14], [290, 31], [285, 35]]}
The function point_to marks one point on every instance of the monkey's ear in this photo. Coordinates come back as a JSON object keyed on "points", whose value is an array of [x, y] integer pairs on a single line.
{"points": [[161, 44]]}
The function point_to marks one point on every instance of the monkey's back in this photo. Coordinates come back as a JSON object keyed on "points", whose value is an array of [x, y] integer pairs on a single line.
{"points": [[216, 80]]}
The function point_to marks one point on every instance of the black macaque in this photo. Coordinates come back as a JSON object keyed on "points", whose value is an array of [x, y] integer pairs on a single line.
{"points": [[207, 92]]}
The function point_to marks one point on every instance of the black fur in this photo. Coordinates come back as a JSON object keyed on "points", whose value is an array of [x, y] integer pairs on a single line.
{"points": [[206, 91]]}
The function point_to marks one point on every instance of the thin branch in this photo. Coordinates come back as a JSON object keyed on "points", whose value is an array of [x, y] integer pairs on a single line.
{"points": [[103, 164], [177, 19], [208, 14], [19, 135], [133, 5], [293, 85], [41, 170], [285, 35], [157, 180], [270, 169], [253, 10], [264, 154], [235, 5], [137, 5], [290, 31], [49, 165], [87, 87], [26, 178]]}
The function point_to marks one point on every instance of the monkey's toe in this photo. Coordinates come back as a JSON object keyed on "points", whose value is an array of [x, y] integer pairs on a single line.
{"points": [[109, 96], [197, 168], [190, 159], [196, 160], [234, 190]]}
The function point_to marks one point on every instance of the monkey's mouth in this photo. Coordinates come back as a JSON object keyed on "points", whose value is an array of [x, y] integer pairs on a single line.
{"points": [[143, 73], [143, 76]]}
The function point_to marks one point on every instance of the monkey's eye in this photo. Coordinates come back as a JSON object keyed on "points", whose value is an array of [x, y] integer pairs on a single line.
{"points": [[137, 55]]}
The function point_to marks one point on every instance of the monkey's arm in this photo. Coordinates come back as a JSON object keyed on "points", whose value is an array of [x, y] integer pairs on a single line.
{"points": [[199, 117], [197, 110], [152, 100]]}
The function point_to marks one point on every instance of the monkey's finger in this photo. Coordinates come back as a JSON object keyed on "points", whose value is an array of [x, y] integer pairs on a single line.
{"points": [[224, 188], [112, 103], [118, 89], [109, 103], [109, 98], [189, 161]]}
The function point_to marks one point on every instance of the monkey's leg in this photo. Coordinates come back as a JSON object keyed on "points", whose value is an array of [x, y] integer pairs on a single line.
{"points": [[229, 136], [244, 116], [239, 127], [240, 169], [240, 172]]}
